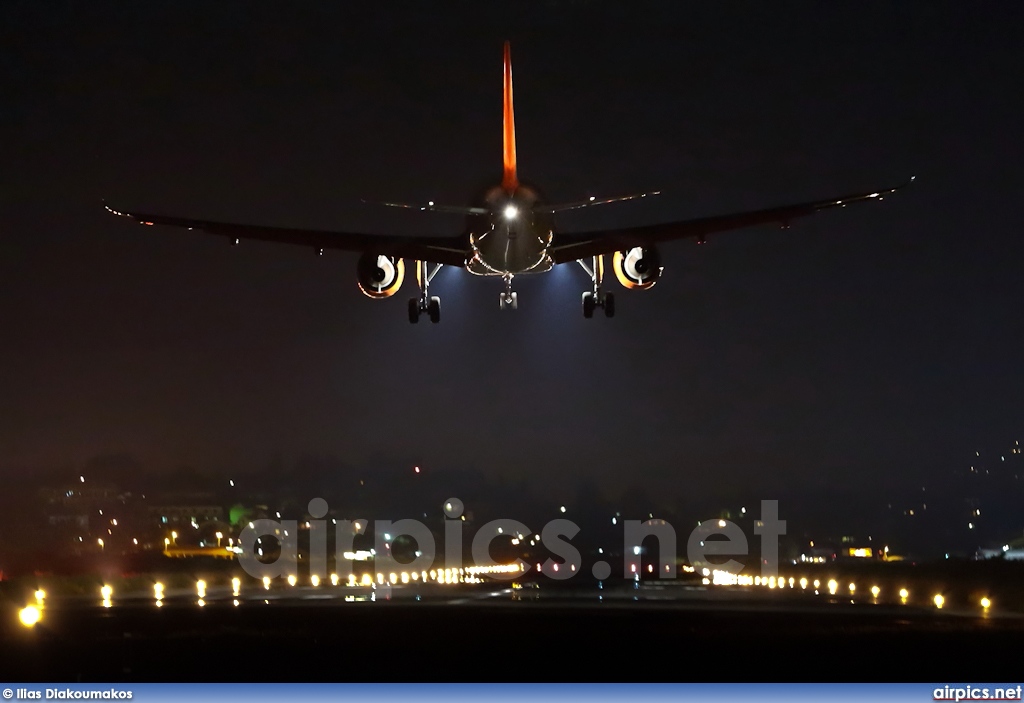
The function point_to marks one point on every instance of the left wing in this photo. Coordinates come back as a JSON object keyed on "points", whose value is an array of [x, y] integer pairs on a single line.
{"points": [[451, 250], [570, 247]]}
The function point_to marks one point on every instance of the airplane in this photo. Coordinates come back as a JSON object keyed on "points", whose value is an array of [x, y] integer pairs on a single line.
{"points": [[510, 231]]}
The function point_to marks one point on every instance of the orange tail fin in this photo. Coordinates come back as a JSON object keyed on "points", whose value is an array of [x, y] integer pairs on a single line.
{"points": [[509, 181]]}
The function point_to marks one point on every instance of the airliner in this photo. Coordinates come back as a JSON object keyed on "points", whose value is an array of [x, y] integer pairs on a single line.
{"points": [[510, 231]]}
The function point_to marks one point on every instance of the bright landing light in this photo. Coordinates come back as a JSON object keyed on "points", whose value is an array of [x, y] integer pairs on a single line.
{"points": [[511, 212], [29, 616]]}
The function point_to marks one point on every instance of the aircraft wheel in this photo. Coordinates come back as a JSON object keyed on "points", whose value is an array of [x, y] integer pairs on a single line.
{"points": [[414, 310], [515, 300], [588, 305], [434, 309], [609, 305]]}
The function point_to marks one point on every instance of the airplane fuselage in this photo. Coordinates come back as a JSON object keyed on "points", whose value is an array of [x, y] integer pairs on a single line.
{"points": [[513, 237]]}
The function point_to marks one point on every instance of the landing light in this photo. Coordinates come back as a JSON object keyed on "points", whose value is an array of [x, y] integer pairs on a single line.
{"points": [[511, 212], [29, 615]]}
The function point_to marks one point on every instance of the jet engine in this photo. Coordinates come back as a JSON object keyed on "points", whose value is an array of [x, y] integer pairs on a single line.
{"points": [[379, 276], [637, 268]]}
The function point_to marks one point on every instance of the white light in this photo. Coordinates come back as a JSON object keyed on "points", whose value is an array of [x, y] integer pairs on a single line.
{"points": [[511, 212], [562, 508]]}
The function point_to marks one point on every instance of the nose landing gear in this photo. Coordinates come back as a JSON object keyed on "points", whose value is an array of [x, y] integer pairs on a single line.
{"points": [[508, 300]]}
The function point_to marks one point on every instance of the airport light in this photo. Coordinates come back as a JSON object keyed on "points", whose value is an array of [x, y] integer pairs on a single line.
{"points": [[986, 603], [158, 591], [803, 584], [106, 592], [292, 580], [938, 600], [236, 585], [201, 588], [875, 590], [220, 536], [833, 587], [904, 594], [315, 580], [853, 587], [334, 579], [40, 595], [266, 582], [200, 602], [29, 615], [100, 542]]}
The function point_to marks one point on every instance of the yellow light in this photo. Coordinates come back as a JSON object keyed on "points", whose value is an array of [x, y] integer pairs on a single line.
{"points": [[393, 578], [40, 596], [201, 602], [334, 579], [236, 585], [234, 602], [266, 582], [833, 586], [986, 603], [939, 600], [158, 590], [106, 603], [853, 587], [292, 580], [159, 603], [201, 588], [817, 583], [904, 593], [106, 592], [405, 577], [366, 580], [29, 615], [315, 580], [875, 590], [803, 583]]}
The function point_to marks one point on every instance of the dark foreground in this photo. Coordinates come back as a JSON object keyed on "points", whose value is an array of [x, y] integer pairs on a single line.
{"points": [[492, 634]]}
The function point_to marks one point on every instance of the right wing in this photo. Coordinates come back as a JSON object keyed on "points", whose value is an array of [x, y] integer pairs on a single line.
{"points": [[450, 250], [580, 245]]}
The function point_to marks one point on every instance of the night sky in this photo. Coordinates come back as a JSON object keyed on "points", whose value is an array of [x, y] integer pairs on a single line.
{"points": [[862, 349]]}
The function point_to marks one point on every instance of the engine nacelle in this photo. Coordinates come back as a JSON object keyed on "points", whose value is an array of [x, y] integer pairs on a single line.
{"points": [[379, 276], [638, 268]]}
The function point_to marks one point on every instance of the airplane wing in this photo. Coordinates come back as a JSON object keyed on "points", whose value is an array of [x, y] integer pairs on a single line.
{"points": [[450, 250], [580, 245]]}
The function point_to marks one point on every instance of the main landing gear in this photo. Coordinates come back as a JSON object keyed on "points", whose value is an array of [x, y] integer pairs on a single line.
{"points": [[508, 300], [594, 298], [425, 302]]}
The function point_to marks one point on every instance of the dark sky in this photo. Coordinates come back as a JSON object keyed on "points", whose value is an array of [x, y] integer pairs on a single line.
{"points": [[878, 345]]}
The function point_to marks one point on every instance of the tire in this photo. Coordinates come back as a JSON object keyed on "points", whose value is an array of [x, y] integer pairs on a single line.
{"points": [[609, 305], [414, 310], [588, 305], [515, 300], [434, 309]]}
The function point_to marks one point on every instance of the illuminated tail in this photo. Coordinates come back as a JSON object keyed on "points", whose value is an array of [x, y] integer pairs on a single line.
{"points": [[509, 181]]}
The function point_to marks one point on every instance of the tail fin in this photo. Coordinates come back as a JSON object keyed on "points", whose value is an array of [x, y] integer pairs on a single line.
{"points": [[509, 181]]}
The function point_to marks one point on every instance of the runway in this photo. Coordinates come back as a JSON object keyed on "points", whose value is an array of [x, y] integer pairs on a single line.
{"points": [[492, 632]]}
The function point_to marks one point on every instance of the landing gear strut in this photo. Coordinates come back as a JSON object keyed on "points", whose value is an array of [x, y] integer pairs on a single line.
{"points": [[594, 298], [425, 302], [508, 300]]}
